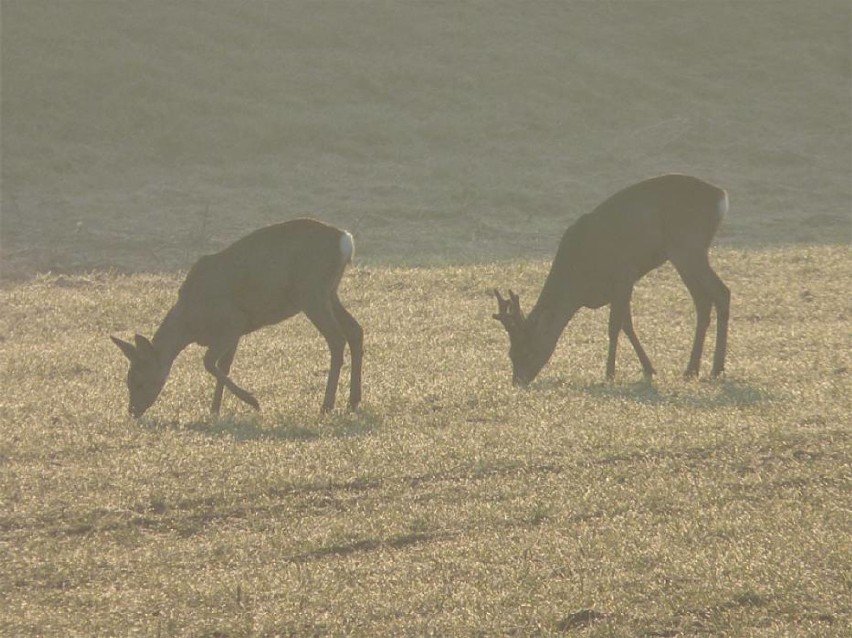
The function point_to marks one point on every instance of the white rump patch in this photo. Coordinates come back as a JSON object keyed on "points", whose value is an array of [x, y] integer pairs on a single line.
{"points": [[347, 246], [723, 204]]}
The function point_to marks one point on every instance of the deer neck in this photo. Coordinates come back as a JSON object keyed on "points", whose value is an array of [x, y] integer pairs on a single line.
{"points": [[555, 307], [169, 340]]}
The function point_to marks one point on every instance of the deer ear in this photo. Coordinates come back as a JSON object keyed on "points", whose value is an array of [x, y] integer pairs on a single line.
{"points": [[127, 348], [144, 347]]}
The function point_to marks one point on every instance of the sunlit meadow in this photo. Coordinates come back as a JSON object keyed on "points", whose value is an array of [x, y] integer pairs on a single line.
{"points": [[452, 503]]}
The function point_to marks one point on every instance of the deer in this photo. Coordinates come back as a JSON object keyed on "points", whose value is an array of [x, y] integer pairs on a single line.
{"points": [[259, 280], [670, 218]]}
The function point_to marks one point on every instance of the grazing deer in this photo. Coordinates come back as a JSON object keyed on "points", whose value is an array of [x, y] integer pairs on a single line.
{"points": [[259, 280], [605, 252]]}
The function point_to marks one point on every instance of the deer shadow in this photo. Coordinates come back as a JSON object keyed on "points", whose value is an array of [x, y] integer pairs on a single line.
{"points": [[702, 394], [284, 427]]}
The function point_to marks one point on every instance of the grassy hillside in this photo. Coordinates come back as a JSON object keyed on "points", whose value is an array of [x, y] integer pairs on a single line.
{"points": [[452, 503], [137, 134]]}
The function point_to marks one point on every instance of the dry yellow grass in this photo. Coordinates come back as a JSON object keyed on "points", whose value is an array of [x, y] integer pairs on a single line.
{"points": [[452, 503]]}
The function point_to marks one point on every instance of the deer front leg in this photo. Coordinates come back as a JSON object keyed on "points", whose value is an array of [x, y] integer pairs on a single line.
{"points": [[213, 355], [224, 364], [647, 368], [616, 320]]}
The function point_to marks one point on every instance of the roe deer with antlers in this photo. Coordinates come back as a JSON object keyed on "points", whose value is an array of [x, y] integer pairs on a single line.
{"points": [[259, 280], [605, 252]]}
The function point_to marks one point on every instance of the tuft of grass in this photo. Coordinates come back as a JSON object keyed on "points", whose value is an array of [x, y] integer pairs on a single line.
{"points": [[452, 503]]}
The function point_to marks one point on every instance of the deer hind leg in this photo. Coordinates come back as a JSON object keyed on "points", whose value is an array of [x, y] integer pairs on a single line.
{"points": [[224, 364], [355, 338], [721, 295], [215, 353], [323, 318], [627, 326], [694, 273]]}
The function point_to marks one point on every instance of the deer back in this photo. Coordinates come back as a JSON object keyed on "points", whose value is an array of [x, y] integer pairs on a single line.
{"points": [[632, 232], [267, 276]]}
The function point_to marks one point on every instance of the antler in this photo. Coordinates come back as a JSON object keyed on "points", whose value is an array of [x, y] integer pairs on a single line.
{"points": [[509, 311]]}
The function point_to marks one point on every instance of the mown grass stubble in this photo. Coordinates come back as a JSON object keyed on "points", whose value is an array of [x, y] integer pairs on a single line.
{"points": [[452, 503]]}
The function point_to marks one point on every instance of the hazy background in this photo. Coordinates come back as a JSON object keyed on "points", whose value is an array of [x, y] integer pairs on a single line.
{"points": [[136, 135]]}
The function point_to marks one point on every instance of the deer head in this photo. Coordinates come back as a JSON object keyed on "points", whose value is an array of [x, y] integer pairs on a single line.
{"points": [[147, 375], [524, 351]]}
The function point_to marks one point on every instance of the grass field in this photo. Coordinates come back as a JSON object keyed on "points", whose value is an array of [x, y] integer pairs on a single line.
{"points": [[457, 141], [452, 503]]}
